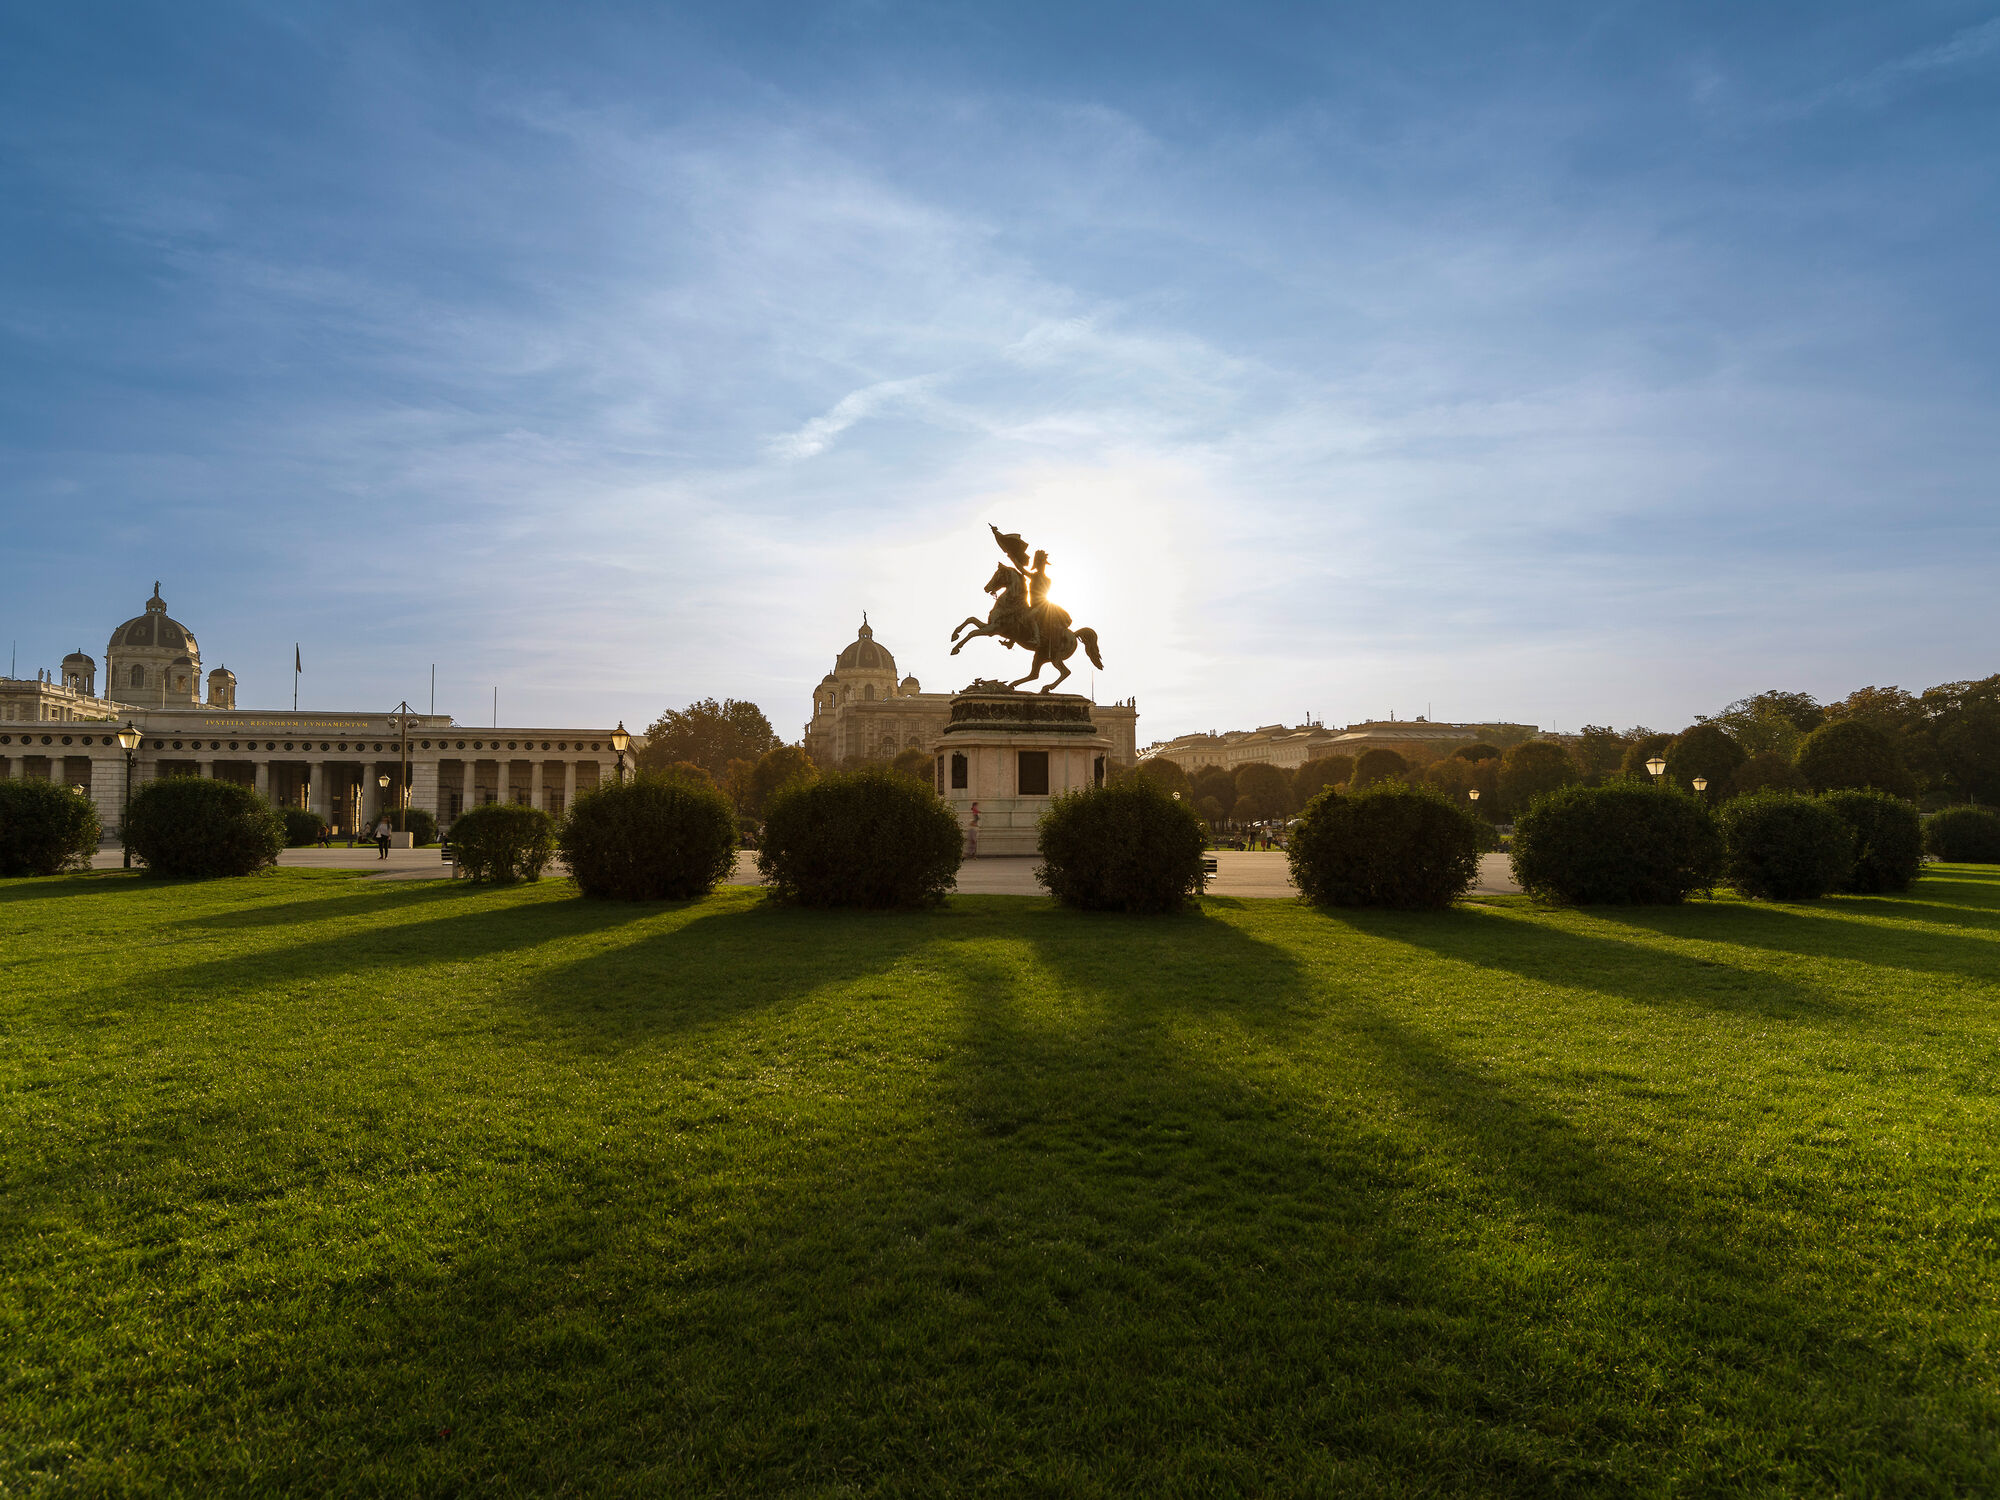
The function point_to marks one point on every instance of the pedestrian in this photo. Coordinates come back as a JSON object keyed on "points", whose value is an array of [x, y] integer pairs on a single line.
{"points": [[382, 839]]}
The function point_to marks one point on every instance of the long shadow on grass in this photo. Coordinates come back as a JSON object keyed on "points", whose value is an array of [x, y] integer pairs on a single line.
{"points": [[1822, 932], [1536, 949], [730, 957], [416, 930], [1127, 1207]]}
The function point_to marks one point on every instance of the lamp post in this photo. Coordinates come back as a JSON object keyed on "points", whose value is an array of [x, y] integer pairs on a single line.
{"points": [[1658, 766], [381, 785], [128, 737], [619, 741], [1700, 786]]}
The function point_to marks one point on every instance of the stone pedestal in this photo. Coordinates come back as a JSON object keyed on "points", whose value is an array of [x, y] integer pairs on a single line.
{"points": [[1004, 756]]}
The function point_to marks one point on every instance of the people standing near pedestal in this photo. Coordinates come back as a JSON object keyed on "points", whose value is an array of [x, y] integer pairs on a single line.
{"points": [[382, 839]]}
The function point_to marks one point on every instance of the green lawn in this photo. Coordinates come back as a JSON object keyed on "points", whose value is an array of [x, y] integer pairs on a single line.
{"points": [[316, 1185]]}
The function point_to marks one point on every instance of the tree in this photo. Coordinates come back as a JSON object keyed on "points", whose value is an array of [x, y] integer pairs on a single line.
{"points": [[1167, 773], [686, 770], [776, 769], [1457, 779], [1772, 720], [1848, 753], [1642, 745], [1315, 776], [1214, 781], [1379, 764], [1478, 751], [1768, 771], [1905, 719], [1704, 750], [916, 763], [1531, 768], [710, 734], [1964, 741], [1598, 752], [736, 783], [1267, 787]]}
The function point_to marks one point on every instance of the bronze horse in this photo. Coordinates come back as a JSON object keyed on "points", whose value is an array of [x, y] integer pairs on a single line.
{"points": [[1012, 621]]}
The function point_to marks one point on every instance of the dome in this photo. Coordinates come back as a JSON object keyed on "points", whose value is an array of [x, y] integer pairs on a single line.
{"points": [[155, 628], [78, 659], [911, 685], [864, 655]]}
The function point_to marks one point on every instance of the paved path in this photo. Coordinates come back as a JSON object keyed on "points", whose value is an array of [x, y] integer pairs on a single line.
{"points": [[1237, 872]]}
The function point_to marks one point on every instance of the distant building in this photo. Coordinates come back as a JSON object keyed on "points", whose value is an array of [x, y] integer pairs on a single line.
{"points": [[1277, 745], [332, 762], [862, 711]]}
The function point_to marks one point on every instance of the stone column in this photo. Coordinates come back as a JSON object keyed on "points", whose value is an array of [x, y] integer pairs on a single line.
{"points": [[502, 792], [316, 786], [205, 769], [371, 797], [264, 779], [424, 786], [569, 786], [535, 784]]}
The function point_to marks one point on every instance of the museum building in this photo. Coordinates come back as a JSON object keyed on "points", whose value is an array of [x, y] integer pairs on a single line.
{"points": [[347, 766], [862, 711]]}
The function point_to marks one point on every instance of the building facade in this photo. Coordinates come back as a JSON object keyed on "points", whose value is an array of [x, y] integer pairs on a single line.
{"points": [[863, 711], [346, 766]]}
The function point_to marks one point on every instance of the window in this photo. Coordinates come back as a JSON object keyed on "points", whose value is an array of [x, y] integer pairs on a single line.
{"points": [[138, 677], [1097, 774], [868, 692], [1033, 773], [958, 777]]}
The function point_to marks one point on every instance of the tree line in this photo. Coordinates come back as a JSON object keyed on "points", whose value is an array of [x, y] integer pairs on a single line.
{"points": [[1937, 748]]}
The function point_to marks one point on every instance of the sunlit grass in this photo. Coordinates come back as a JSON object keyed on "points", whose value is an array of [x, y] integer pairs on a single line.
{"points": [[319, 1184]]}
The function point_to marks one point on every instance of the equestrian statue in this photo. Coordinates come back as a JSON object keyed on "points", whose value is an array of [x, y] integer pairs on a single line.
{"points": [[1024, 615]]}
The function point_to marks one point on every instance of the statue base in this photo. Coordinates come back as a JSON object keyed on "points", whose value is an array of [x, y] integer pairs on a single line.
{"points": [[1006, 755]]}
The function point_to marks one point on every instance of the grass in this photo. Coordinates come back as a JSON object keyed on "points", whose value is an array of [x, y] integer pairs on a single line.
{"points": [[319, 1185]]}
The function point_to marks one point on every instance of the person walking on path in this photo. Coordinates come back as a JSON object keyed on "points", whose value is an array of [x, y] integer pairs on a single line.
{"points": [[382, 839]]}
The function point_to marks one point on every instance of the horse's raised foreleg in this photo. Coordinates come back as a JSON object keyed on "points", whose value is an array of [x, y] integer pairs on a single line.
{"points": [[1060, 666], [979, 628], [973, 620]]}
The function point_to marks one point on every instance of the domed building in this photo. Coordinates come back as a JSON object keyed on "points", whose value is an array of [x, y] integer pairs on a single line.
{"points": [[862, 711], [153, 661], [348, 765]]}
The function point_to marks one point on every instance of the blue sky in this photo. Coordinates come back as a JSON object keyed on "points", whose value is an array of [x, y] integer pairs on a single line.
{"points": [[1559, 363]]}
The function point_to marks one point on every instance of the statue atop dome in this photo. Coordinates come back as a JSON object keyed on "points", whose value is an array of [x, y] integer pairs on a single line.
{"points": [[1024, 615]]}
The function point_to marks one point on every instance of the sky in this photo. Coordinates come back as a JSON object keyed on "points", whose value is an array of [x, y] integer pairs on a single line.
{"points": [[1552, 363]]}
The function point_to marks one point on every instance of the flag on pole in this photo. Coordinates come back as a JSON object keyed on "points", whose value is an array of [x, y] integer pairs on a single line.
{"points": [[297, 665]]}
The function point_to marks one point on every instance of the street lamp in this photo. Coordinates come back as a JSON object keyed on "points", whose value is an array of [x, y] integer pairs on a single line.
{"points": [[1657, 766], [1701, 783], [1473, 793], [128, 737], [619, 741]]}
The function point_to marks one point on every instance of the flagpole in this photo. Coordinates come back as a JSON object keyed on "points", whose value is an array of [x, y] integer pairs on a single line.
{"points": [[297, 667]]}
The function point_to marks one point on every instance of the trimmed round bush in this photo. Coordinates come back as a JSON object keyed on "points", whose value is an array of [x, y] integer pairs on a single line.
{"points": [[653, 839], [1849, 753], [1964, 835], [1392, 844], [503, 842], [45, 828], [1126, 847], [421, 826], [193, 828], [302, 826], [1619, 844], [1781, 846], [1888, 841], [866, 838]]}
